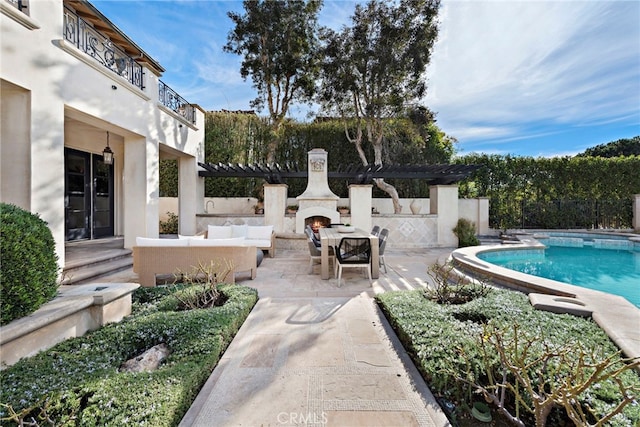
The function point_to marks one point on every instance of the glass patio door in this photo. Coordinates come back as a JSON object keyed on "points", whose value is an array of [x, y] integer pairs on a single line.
{"points": [[88, 196], [102, 192]]}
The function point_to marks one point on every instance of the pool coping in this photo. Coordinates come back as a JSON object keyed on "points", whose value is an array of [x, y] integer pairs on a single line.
{"points": [[614, 314]]}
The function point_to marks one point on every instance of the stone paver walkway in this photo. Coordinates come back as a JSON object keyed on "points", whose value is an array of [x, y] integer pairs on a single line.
{"points": [[313, 354]]}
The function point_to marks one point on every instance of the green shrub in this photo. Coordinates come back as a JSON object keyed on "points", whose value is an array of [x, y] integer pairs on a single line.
{"points": [[443, 343], [28, 263], [170, 226], [465, 230], [527, 192], [78, 382]]}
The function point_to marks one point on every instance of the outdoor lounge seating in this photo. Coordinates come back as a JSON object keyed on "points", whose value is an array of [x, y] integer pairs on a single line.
{"points": [[171, 256], [353, 252], [261, 236]]}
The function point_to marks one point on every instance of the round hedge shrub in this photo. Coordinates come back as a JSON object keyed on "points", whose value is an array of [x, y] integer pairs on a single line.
{"points": [[28, 263]]}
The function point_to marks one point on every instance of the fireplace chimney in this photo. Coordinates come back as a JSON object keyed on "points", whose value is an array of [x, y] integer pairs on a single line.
{"points": [[317, 199]]}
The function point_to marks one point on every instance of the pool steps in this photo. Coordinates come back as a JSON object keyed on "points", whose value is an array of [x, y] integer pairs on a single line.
{"points": [[563, 240]]}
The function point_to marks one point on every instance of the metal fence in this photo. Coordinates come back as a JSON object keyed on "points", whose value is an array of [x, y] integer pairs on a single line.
{"points": [[562, 214]]}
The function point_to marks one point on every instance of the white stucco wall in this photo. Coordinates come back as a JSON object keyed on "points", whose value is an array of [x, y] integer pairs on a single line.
{"points": [[72, 101]]}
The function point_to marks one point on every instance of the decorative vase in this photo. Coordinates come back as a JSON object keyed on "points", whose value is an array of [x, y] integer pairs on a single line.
{"points": [[415, 207]]}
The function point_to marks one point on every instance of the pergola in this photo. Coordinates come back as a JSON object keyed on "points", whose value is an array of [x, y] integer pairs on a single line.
{"points": [[358, 174]]}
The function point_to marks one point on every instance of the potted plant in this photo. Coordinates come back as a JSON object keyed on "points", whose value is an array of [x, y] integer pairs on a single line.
{"points": [[343, 210], [292, 209]]}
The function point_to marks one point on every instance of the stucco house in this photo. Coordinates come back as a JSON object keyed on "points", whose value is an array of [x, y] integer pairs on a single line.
{"points": [[73, 84]]}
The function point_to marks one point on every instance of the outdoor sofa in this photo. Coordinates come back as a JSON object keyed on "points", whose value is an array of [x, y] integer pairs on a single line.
{"points": [[261, 236], [173, 256]]}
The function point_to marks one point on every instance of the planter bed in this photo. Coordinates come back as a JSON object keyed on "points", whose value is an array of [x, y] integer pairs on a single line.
{"points": [[444, 342], [78, 382]]}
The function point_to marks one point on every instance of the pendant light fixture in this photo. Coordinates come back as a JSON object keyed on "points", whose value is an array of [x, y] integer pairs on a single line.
{"points": [[107, 154]]}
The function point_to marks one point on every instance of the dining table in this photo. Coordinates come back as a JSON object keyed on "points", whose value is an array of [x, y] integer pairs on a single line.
{"points": [[330, 238]]}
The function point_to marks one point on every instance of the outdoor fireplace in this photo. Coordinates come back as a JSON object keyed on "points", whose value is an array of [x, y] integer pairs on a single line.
{"points": [[317, 201], [317, 222]]}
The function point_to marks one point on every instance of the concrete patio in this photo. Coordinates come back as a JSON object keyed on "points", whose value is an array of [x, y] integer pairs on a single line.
{"points": [[313, 354]]}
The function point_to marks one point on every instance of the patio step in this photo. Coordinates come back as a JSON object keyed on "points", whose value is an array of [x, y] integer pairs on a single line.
{"points": [[91, 270]]}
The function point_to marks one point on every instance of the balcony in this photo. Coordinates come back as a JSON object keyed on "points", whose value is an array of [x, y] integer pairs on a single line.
{"points": [[21, 5], [84, 36], [170, 99], [93, 43]]}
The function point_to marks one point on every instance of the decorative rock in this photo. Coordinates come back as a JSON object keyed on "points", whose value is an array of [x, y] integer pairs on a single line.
{"points": [[147, 361]]}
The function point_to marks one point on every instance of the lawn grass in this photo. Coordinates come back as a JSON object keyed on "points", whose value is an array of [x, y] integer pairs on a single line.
{"points": [[445, 342], [78, 382]]}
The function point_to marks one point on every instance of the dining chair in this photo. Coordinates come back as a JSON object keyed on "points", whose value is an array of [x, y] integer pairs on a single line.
{"points": [[382, 243], [375, 230], [315, 251], [309, 232], [315, 255], [353, 252]]}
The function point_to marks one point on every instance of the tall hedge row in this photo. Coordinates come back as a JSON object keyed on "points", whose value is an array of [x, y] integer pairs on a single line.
{"points": [[512, 183], [243, 138], [561, 192]]}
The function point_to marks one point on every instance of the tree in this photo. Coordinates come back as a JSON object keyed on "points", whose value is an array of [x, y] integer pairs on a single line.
{"points": [[279, 42], [621, 147], [374, 70]]}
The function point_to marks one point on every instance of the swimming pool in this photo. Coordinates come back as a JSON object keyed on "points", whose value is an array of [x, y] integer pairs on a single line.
{"points": [[607, 265]]}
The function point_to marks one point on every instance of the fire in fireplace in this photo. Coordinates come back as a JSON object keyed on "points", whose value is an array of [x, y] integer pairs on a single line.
{"points": [[317, 222]]}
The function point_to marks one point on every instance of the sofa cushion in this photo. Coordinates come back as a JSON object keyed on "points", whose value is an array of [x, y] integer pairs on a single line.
{"points": [[148, 241], [258, 243], [197, 236], [234, 241], [260, 232], [239, 230], [218, 232]]}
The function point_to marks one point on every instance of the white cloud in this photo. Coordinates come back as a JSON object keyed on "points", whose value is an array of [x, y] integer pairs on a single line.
{"points": [[502, 65]]}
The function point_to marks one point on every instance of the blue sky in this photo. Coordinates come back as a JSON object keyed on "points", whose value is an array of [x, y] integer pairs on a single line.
{"points": [[532, 78]]}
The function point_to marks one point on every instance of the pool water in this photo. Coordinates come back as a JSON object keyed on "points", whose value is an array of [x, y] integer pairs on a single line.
{"points": [[607, 270]]}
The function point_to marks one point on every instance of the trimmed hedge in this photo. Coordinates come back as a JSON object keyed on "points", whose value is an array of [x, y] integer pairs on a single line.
{"points": [[244, 138], [77, 382], [437, 336], [559, 192], [28, 263]]}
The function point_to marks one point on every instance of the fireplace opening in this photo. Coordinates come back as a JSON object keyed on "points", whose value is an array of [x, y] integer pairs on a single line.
{"points": [[317, 222]]}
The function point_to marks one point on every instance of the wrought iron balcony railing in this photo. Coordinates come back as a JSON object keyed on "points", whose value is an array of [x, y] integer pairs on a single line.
{"points": [[170, 99], [99, 47], [21, 5]]}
